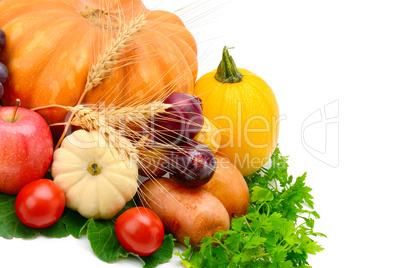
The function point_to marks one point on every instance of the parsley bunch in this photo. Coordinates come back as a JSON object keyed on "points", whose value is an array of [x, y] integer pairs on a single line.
{"points": [[276, 232]]}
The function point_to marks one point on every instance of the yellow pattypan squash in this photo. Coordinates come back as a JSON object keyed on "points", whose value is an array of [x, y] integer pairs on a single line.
{"points": [[244, 108], [95, 181]]}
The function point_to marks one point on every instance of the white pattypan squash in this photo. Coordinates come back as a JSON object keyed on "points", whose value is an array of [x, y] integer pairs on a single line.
{"points": [[95, 181]]}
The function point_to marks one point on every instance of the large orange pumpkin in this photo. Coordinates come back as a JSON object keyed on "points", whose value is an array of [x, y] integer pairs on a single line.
{"points": [[52, 44]]}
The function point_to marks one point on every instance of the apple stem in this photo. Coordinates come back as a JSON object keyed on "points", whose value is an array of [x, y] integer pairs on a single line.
{"points": [[17, 104]]}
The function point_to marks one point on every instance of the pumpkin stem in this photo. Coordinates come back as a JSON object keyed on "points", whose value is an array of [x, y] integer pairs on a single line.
{"points": [[108, 20], [94, 168], [227, 71]]}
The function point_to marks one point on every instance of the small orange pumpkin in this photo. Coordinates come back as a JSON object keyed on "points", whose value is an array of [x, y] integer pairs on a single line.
{"points": [[52, 44]]}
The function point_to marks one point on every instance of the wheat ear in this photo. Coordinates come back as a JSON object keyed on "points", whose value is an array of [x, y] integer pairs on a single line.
{"points": [[114, 51], [107, 61], [109, 121], [88, 117]]}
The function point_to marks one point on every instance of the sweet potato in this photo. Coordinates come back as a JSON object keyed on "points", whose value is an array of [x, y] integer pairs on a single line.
{"points": [[229, 186], [193, 213]]}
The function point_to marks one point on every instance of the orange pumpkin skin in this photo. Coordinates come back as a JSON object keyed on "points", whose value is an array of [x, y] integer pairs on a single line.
{"points": [[51, 47]]}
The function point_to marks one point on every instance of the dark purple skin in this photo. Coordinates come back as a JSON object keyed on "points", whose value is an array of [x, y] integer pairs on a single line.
{"points": [[3, 73], [192, 166], [1, 90], [3, 68], [182, 121], [153, 169], [2, 39]]}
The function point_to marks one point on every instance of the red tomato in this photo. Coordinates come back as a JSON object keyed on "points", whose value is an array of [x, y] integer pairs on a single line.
{"points": [[40, 203], [139, 230]]}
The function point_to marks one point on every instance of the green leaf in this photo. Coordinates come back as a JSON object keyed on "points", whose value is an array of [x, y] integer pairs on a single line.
{"points": [[104, 243], [57, 230], [186, 263], [308, 245], [197, 260], [75, 224], [279, 256], [282, 225], [260, 195], [238, 224], [221, 256], [253, 241], [233, 241], [10, 225], [312, 248], [162, 255], [186, 253]]}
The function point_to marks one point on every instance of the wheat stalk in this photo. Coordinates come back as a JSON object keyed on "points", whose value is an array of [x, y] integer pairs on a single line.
{"points": [[91, 120], [112, 123], [88, 117], [114, 51], [115, 140], [107, 61]]}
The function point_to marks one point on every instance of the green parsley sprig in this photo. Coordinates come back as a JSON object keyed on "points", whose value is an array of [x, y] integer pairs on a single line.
{"points": [[276, 232]]}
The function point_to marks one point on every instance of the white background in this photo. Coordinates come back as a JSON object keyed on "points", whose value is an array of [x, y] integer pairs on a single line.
{"points": [[346, 55]]}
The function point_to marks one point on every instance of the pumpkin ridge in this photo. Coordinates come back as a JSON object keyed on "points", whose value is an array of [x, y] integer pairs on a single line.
{"points": [[60, 179], [109, 156], [31, 7], [75, 151], [171, 29], [48, 68], [179, 76], [185, 49], [112, 196], [127, 180], [64, 155], [68, 189], [27, 16], [68, 167], [43, 57], [117, 191]]}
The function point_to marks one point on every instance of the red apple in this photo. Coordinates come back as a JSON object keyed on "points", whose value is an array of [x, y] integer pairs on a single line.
{"points": [[26, 148]]}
